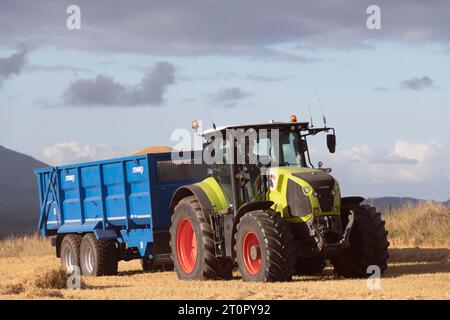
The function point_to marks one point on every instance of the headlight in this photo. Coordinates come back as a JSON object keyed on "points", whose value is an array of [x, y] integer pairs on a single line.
{"points": [[307, 190]]}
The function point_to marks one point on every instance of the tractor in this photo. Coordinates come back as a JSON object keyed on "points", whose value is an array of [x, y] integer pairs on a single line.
{"points": [[265, 209]]}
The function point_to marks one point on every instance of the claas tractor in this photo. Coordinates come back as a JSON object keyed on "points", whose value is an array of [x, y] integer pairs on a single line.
{"points": [[265, 209]]}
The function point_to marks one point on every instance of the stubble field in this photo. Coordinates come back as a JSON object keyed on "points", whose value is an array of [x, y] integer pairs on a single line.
{"points": [[420, 269]]}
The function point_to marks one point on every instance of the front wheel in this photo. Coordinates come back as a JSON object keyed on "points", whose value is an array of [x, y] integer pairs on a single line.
{"points": [[265, 249], [369, 245]]}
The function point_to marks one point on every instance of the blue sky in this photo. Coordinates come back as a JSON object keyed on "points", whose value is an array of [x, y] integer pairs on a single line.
{"points": [[386, 95]]}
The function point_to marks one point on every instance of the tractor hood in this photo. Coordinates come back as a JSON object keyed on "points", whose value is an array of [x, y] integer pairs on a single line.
{"points": [[302, 192]]}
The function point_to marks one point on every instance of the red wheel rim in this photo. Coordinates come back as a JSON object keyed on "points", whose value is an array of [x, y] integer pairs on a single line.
{"points": [[251, 253], [186, 246]]}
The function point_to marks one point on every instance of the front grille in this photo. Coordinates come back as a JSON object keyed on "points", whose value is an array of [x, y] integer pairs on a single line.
{"points": [[298, 203], [323, 184]]}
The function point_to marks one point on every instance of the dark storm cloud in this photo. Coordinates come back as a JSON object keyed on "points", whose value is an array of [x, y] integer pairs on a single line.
{"points": [[105, 91], [228, 97], [13, 64], [222, 27], [417, 84]]}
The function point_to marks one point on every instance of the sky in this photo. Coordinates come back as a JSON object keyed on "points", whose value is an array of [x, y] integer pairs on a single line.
{"points": [[136, 71]]}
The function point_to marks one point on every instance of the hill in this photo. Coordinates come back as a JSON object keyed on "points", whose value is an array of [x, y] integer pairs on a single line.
{"points": [[19, 206], [384, 204]]}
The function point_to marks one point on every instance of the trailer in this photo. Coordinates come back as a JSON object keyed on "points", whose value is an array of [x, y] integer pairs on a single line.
{"points": [[101, 212]]}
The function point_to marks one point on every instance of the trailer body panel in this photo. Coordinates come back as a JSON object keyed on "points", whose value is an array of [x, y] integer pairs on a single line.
{"points": [[124, 199]]}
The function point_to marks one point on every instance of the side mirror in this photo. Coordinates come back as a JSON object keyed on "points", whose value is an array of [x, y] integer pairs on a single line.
{"points": [[331, 142]]}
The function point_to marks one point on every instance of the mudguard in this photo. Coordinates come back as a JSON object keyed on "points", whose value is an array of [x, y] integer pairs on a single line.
{"points": [[351, 201], [208, 194]]}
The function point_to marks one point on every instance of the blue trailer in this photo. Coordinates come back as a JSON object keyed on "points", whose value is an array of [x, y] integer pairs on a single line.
{"points": [[98, 213]]}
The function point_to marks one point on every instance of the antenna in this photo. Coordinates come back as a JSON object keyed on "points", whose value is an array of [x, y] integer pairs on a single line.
{"points": [[310, 116], [210, 116], [321, 107]]}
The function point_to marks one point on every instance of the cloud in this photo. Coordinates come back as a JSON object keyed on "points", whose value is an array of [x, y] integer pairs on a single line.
{"points": [[266, 78], [380, 89], [105, 91], [228, 97], [409, 168], [56, 68], [13, 65], [75, 152], [225, 27], [417, 84]]}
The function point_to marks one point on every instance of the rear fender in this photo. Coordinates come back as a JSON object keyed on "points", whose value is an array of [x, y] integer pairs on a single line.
{"points": [[208, 194]]}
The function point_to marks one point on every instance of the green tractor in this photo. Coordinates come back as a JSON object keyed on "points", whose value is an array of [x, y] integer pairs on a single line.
{"points": [[273, 217]]}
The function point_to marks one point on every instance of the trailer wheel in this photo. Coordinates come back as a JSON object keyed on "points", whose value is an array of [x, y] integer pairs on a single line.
{"points": [[265, 249], [192, 244], [98, 257], [369, 245], [70, 252]]}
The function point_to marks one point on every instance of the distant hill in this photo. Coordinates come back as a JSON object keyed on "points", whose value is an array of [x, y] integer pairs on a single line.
{"points": [[19, 205], [384, 203]]}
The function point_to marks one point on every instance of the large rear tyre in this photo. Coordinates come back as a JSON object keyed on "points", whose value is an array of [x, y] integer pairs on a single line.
{"points": [[70, 252], [265, 249], [369, 245], [192, 244], [98, 257]]}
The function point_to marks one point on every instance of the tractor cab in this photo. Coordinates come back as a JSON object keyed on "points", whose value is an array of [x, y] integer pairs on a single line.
{"points": [[252, 156]]}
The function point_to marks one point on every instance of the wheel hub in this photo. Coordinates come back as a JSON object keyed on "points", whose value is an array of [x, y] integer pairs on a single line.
{"points": [[251, 253], [254, 252]]}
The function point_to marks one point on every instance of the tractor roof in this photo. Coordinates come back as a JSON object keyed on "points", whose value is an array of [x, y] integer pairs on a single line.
{"points": [[270, 125]]}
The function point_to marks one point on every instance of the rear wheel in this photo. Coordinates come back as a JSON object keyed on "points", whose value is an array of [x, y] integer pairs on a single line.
{"points": [[369, 244], [98, 257], [192, 244], [265, 249], [70, 252]]}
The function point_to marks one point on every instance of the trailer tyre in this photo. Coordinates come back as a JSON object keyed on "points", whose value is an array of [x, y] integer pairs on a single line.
{"points": [[70, 252], [192, 244], [369, 245], [265, 248], [98, 257]]}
